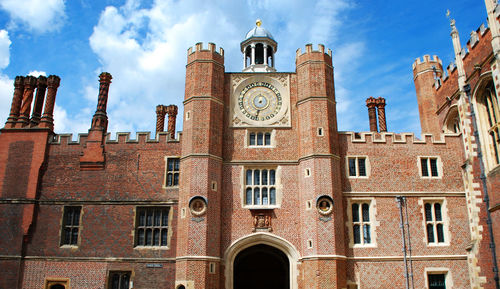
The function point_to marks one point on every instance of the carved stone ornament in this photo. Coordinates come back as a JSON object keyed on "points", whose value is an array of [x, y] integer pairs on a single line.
{"points": [[324, 206], [198, 206], [262, 222]]}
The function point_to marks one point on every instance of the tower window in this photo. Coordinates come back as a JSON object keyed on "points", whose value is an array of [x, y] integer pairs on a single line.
{"points": [[260, 187], [71, 225], [489, 124], [259, 138]]}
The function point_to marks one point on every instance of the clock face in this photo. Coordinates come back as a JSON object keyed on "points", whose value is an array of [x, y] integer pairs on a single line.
{"points": [[260, 101]]}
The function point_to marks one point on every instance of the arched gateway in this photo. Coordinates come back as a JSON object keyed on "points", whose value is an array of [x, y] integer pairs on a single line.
{"points": [[263, 261]]}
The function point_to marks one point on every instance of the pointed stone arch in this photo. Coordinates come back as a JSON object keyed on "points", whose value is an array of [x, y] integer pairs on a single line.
{"points": [[261, 238]]}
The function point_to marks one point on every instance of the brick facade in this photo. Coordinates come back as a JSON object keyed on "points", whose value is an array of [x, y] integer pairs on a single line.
{"points": [[210, 222]]}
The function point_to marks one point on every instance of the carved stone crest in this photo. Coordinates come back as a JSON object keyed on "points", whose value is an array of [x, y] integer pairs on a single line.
{"points": [[262, 222]]}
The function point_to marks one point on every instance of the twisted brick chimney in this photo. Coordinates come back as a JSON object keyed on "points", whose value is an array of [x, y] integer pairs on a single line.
{"points": [[93, 157], [161, 111], [41, 86], [371, 103], [16, 102], [172, 114], [24, 112], [47, 117], [380, 101]]}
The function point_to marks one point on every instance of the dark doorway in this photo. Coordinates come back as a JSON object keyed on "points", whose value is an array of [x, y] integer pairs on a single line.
{"points": [[261, 267]]}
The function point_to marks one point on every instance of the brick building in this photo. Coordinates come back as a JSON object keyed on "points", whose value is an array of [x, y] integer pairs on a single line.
{"points": [[260, 189]]}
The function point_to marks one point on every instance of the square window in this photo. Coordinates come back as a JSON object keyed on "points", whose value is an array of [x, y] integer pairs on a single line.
{"points": [[119, 279], [437, 281], [172, 172], [357, 166], [70, 225], [259, 138], [151, 226], [430, 167]]}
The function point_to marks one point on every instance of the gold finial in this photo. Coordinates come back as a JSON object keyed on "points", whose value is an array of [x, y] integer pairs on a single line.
{"points": [[258, 22]]}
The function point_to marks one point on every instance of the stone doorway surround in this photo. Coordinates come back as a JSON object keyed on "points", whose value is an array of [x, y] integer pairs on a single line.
{"points": [[255, 239]]}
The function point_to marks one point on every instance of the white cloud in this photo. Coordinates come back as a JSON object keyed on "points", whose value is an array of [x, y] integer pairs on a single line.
{"points": [[6, 92], [145, 48], [4, 49], [6, 84], [37, 73], [37, 15]]}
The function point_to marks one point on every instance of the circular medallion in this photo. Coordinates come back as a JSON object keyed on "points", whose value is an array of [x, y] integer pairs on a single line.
{"points": [[198, 206], [260, 101], [324, 205]]}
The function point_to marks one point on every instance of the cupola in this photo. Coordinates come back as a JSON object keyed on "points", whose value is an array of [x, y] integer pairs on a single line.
{"points": [[258, 50]]}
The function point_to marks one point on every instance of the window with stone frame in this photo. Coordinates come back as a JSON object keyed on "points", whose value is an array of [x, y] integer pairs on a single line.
{"points": [[357, 166], [489, 122], [434, 222], [151, 226], [429, 167], [119, 279], [70, 225], [361, 223], [259, 138], [172, 172], [260, 187], [436, 280]]}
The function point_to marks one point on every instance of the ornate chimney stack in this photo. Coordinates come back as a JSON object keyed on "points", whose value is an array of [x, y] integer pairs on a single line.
{"points": [[16, 102], [161, 110], [172, 115], [371, 103], [41, 86], [93, 157], [24, 113], [381, 114], [47, 118], [100, 119]]}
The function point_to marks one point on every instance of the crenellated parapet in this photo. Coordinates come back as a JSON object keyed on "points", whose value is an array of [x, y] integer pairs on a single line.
{"points": [[311, 54], [396, 138], [477, 38], [198, 52], [120, 138]]}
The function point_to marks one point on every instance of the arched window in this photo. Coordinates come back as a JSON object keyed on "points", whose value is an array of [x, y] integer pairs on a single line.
{"points": [[259, 53], [452, 122], [489, 122]]}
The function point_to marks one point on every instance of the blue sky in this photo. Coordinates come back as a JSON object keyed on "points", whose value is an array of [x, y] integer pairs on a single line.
{"points": [[143, 45]]}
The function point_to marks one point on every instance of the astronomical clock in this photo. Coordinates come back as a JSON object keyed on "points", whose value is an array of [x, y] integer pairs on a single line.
{"points": [[260, 101]]}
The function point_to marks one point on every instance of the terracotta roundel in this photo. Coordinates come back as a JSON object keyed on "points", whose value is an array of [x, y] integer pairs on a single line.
{"points": [[198, 206], [324, 205]]}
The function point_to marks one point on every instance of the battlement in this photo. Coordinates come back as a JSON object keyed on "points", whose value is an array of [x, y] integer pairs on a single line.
{"points": [[396, 138], [426, 59], [121, 138], [309, 49], [475, 38], [211, 47]]}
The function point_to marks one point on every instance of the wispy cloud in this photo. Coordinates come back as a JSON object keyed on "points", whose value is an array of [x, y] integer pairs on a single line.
{"points": [[6, 84], [37, 15]]}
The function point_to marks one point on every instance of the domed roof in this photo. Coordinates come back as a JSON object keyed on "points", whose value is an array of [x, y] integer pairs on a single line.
{"points": [[259, 31]]}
